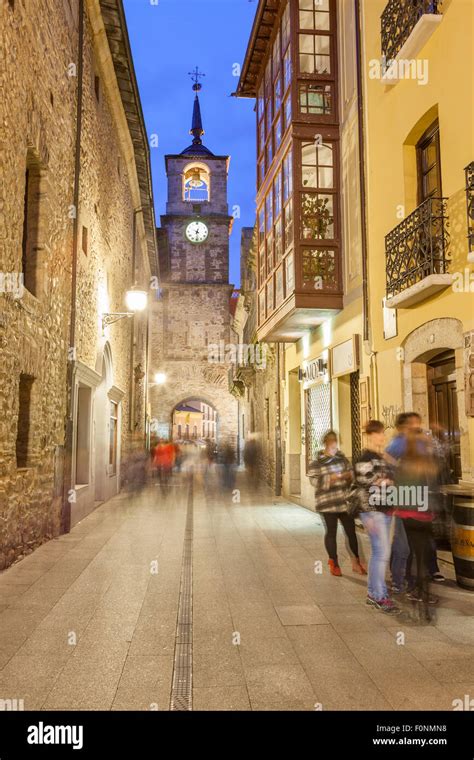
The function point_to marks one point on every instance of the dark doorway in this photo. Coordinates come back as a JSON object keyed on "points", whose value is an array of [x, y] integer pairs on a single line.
{"points": [[443, 405]]}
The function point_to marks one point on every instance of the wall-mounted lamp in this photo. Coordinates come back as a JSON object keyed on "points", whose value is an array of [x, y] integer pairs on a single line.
{"points": [[160, 378], [136, 300]]}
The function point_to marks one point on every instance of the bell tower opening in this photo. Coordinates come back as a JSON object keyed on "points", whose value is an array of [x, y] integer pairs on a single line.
{"points": [[196, 183]]}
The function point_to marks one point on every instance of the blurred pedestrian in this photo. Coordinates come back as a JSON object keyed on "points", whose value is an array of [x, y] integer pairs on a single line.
{"points": [[415, 478], [331, 475], [228, 461], [400, 554], [164, 459], [373, 477], [251, 457]]}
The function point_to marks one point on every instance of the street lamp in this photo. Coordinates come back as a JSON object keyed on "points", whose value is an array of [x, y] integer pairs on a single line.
{"points": [[135, 299], [160, 378]]}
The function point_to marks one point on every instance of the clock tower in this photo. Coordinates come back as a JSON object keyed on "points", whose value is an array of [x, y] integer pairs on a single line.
{"points": [[192, 314]]}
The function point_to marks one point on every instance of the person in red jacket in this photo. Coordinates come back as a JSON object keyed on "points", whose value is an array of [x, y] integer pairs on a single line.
{"points": [[164, 460]]}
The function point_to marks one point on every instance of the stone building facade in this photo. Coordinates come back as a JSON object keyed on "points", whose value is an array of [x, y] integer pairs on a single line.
{"points": [[255, 380], [76, 228], [191, 318]]}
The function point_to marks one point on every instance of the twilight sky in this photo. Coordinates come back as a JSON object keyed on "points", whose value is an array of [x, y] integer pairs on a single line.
{"points": [[169, 38]]}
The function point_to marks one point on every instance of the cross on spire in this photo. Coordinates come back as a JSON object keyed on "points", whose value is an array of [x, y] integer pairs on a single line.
{"points": [[196, 75]]}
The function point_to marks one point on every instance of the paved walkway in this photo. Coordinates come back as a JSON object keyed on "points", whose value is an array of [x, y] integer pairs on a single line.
{"points": [[88, 621]]}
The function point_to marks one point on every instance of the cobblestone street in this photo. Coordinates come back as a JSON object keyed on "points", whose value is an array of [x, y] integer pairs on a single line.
{"points": [[88, 621]]}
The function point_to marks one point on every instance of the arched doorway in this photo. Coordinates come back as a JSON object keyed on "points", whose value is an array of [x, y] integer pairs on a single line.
{"points": [[194, 419], [434, 383]]}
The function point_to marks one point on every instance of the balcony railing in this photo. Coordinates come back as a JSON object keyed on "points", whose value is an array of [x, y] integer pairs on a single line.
{"points": [[418, 247], [398, 20]]}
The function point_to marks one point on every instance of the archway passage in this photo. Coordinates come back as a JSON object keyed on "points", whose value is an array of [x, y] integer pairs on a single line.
{"points": [[194, 419]]}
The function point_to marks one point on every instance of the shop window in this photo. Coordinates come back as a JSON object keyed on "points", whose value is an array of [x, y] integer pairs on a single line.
{"points": [[318, 418], [24, 437]]}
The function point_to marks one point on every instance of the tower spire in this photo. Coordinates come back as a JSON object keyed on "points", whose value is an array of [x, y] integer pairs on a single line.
{"points": [[196, 127], [196, 148]]}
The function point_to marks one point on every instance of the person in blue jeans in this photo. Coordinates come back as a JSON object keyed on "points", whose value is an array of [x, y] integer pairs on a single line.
{"points": [[399, 560], [373, 475]]}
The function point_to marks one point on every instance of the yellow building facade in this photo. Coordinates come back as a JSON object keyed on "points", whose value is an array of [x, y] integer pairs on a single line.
{"points": [[379, 317], [419, 137]]}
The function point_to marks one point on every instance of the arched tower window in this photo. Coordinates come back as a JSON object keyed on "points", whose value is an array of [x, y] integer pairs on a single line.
{"points": [[196, 183]]}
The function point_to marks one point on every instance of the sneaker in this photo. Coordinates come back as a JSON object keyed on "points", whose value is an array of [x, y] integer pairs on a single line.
{"points": [[396, 589], [417, 596], [334, 568], [358, 567], [388, 605], [438, 578], [385, 605]]}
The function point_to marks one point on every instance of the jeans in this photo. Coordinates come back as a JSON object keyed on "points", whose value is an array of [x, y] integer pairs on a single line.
{"points": [[400, 553], [377, 525]]}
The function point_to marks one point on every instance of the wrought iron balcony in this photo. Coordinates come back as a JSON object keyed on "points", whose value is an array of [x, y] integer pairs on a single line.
{"points": [[418, 247], [398, 21]]}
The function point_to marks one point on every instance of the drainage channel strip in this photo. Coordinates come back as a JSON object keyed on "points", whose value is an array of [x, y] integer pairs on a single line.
{"points": [[182, 687]]}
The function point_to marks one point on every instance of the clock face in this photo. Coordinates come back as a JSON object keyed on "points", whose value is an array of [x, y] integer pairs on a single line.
{"points": [[197, 232]]}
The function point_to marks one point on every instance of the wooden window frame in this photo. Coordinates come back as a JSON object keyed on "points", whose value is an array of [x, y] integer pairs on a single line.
{"points": [[431, 135]]}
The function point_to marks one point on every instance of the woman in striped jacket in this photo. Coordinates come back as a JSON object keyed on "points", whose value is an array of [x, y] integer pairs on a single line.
{"points": [[331, 475]]}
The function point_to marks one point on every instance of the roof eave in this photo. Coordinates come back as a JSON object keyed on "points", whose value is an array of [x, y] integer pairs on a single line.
{"points": [[117, 35], [260, 35]]}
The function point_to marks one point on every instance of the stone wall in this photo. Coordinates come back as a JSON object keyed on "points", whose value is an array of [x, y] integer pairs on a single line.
{"points": [[37, 119], [38, 79]]}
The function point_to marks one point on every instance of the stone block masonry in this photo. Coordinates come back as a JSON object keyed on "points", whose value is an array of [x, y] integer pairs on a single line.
{"points": [[39, 50]]}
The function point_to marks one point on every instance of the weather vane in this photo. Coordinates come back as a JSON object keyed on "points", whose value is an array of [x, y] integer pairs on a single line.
{"points": [[195, 76]]}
